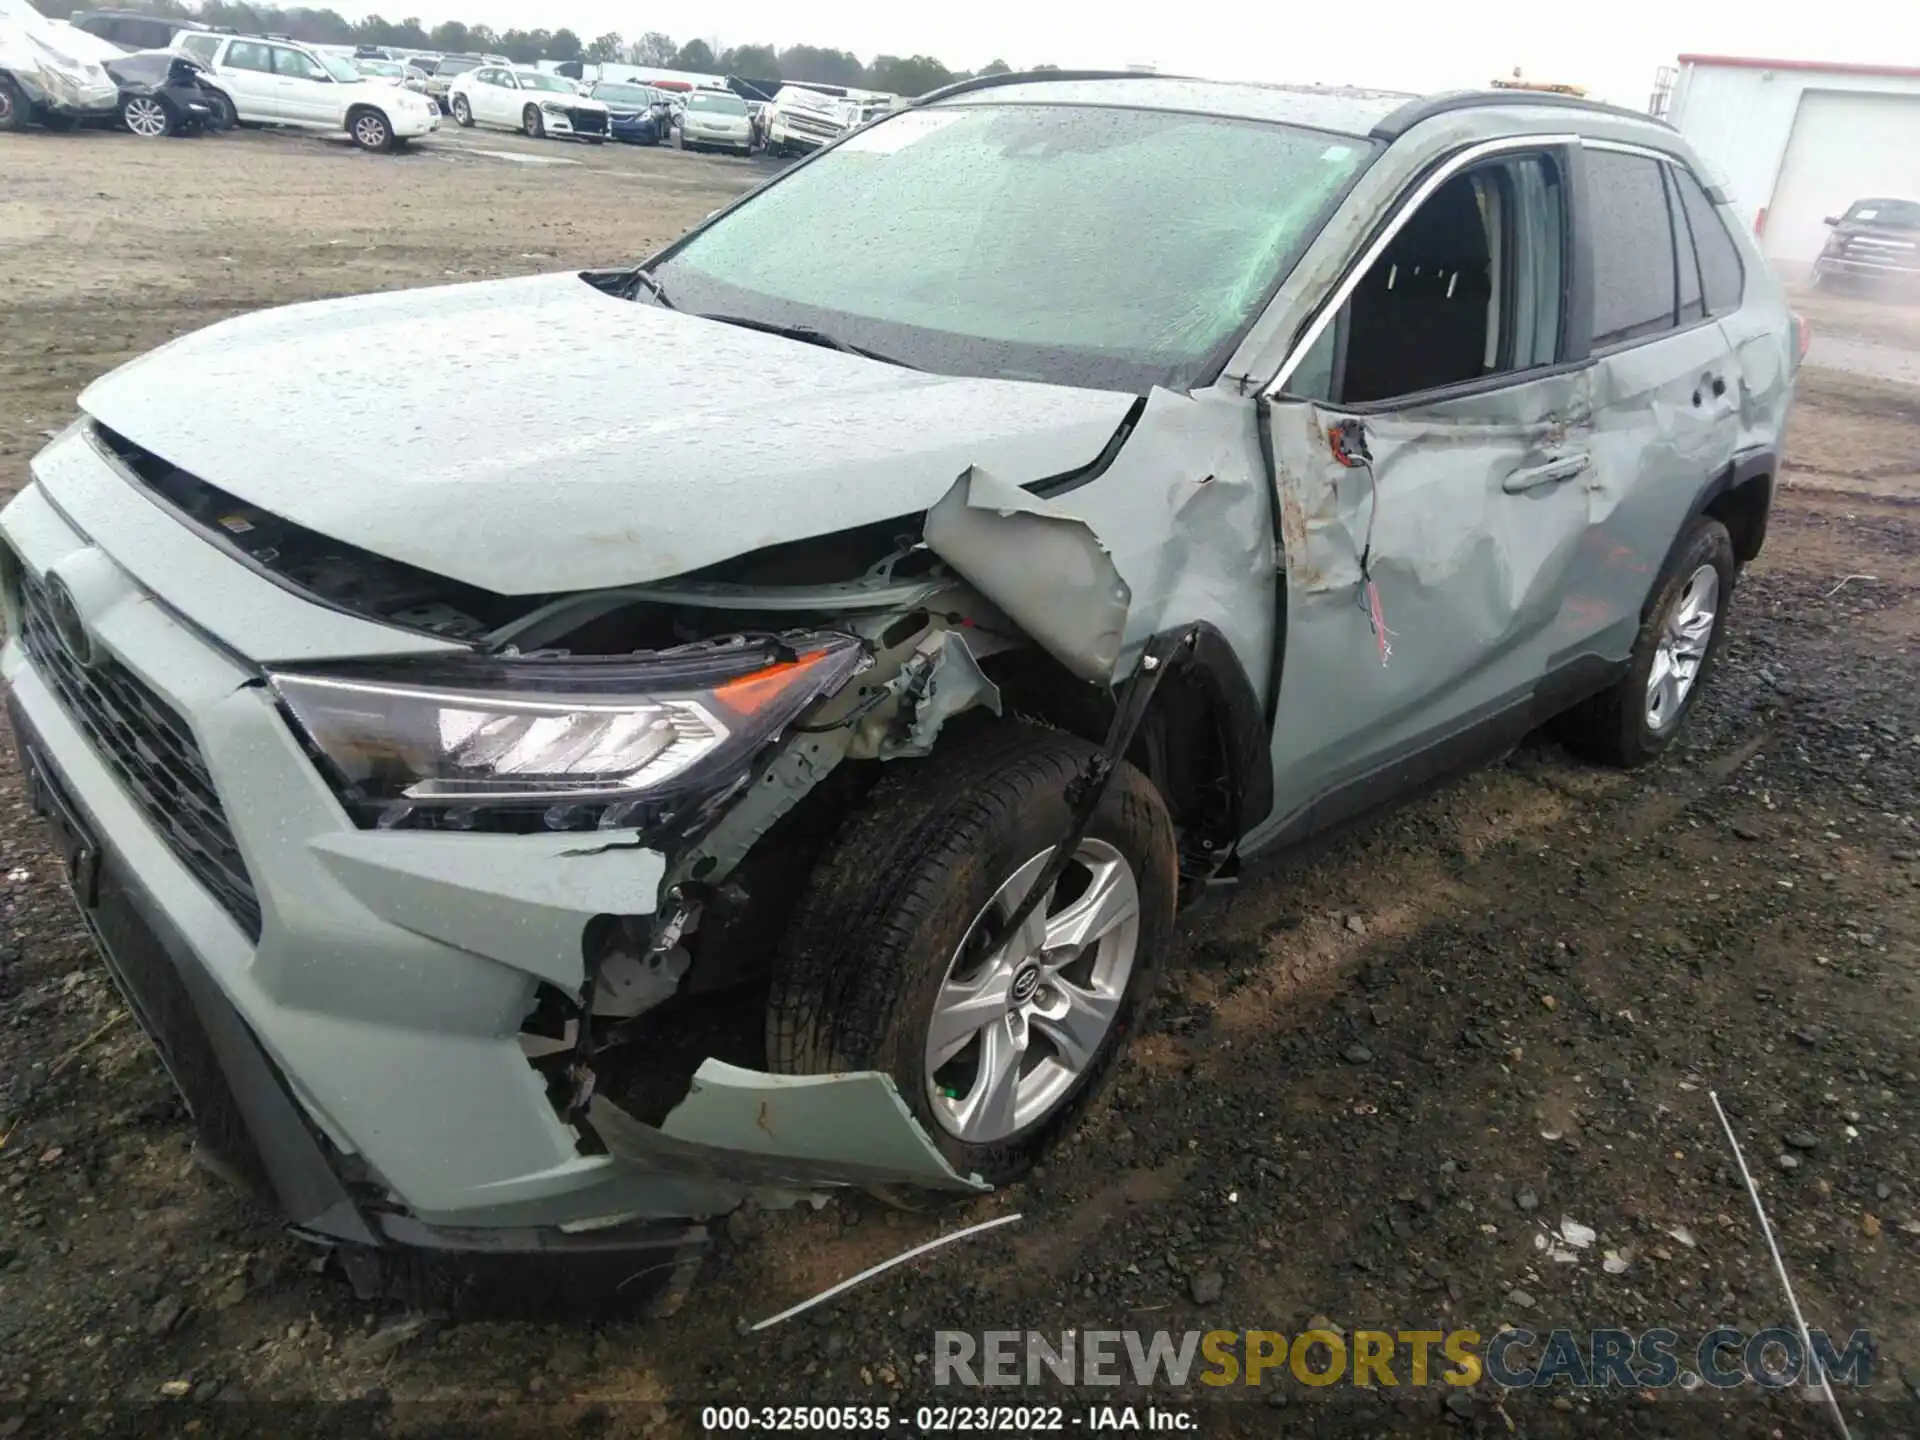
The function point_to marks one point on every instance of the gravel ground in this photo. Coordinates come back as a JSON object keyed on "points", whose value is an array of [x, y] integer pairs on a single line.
{"points": [[1381, 1068]]}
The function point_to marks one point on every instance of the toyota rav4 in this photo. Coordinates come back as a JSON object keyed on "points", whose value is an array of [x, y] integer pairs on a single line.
{"points": [[539, 803]]}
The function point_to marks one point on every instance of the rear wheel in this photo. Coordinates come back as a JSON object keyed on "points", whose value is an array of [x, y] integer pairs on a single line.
{"points": [[462, 112], [13, 107], [147, 116], [888, 962], [224, 117], [1674, 653], [531, 122]]}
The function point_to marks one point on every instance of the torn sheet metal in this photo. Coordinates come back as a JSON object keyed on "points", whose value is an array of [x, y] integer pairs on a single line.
{"points": [[950, 683], [1048, 570], [1185, 514], [54, 64], [746, 1127]]}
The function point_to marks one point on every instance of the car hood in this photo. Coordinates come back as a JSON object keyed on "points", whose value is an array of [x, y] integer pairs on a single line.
{"points": [[539, 435]]}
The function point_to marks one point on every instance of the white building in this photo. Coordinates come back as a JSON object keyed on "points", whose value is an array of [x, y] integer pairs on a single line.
{"points": [[1798, 140]]}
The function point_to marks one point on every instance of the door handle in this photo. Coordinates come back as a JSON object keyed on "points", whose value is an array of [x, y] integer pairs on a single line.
{"points": [[1551, 473]]}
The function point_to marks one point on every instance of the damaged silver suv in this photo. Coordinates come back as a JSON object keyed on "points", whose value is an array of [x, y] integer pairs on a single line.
{"points": [[539, 798]]}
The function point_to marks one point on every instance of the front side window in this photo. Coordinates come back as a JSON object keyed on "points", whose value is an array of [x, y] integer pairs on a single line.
{"points": [[1634, 267], [297, 64], [1470, 288], [1075, 244]]}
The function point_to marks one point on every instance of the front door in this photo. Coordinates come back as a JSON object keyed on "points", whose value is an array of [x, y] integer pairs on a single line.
{"points": [[308, 93], [1434, 451]]}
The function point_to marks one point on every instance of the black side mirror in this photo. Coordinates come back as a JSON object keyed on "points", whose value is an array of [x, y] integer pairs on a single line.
{"points": [[1831, 220]]}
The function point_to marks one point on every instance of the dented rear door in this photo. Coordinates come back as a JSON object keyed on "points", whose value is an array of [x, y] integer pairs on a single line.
{"points": [[1428, 551]]}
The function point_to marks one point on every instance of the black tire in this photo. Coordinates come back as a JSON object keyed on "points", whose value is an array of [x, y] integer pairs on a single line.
{"points": [[1613, 727], [225, 117], [13, 105], [531, 122], [147, 111], [900, 888], [371, 130], [594, 139], [462, 112]]}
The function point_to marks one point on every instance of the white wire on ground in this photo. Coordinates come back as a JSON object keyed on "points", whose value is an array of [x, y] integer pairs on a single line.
{"points": [[1780, 1268], [884, 1265]]}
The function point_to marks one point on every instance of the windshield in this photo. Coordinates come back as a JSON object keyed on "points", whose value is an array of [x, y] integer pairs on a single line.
{"points": [[725, 104], [1900, 214], [455, 67], [1080, 245], [623, 94], [336, 67], [540, 80], [392, 69]]}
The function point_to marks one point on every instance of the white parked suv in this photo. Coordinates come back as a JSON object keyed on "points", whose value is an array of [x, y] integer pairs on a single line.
{"points": [[532, 101], [277, 82]]}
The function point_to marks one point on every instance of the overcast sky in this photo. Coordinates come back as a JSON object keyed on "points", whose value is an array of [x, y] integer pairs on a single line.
{"points": [[1612, 46]]}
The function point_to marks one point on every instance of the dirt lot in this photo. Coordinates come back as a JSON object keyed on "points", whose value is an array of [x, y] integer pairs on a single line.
{"points": [[1380, 1068]]}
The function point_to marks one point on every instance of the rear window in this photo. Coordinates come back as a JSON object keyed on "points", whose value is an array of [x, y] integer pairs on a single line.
{"points": [[1723, 279], [1077, 244], [1632, 244]]}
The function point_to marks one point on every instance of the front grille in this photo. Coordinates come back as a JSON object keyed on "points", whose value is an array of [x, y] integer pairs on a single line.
{"points": [[814, 125], [150, 749], [588, 122]]}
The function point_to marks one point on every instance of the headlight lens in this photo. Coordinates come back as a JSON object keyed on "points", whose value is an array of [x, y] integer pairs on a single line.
{"points": [[557, 742]]}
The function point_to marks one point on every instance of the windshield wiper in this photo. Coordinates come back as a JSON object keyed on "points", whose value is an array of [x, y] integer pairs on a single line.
{"points": [[638, 277], [809, 335]]}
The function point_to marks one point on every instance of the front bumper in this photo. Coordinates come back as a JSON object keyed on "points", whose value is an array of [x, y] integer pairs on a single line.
{"points": [[634, 129], [371, 984], [582, 125], [703, 140], [413, 122]]}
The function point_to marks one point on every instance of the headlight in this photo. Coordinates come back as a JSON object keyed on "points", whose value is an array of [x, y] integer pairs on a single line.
{"points": [[553, 107], [565, 742]]}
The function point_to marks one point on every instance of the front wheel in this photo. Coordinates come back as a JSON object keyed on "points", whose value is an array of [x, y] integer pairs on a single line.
{"points": [[888, 962], [1679, 640], [371, 131], [147, 116], [224, 116], [462, 112], [531, 122]]}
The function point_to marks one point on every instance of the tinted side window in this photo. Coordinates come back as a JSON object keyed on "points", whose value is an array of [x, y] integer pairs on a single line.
{"points": [[1722, 277], [1632, 244], [1692, 308], [1469, 288], [297, 65]]}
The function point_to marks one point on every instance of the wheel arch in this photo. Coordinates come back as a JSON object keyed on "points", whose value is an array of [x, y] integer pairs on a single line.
{"points": [[1739, 497], [1203, 740]]}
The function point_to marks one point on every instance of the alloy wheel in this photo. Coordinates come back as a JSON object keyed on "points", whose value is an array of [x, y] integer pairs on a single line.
{"points": [[1014, 1030], [1682, 647], [146, 117], [370, 131]]}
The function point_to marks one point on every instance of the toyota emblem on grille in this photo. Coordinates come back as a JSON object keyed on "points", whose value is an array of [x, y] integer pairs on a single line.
{"points": [[67, 624]]}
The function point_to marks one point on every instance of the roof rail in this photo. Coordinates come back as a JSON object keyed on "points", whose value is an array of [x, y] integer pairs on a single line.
{"points": [[1393, 126], [1029, 77]]}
